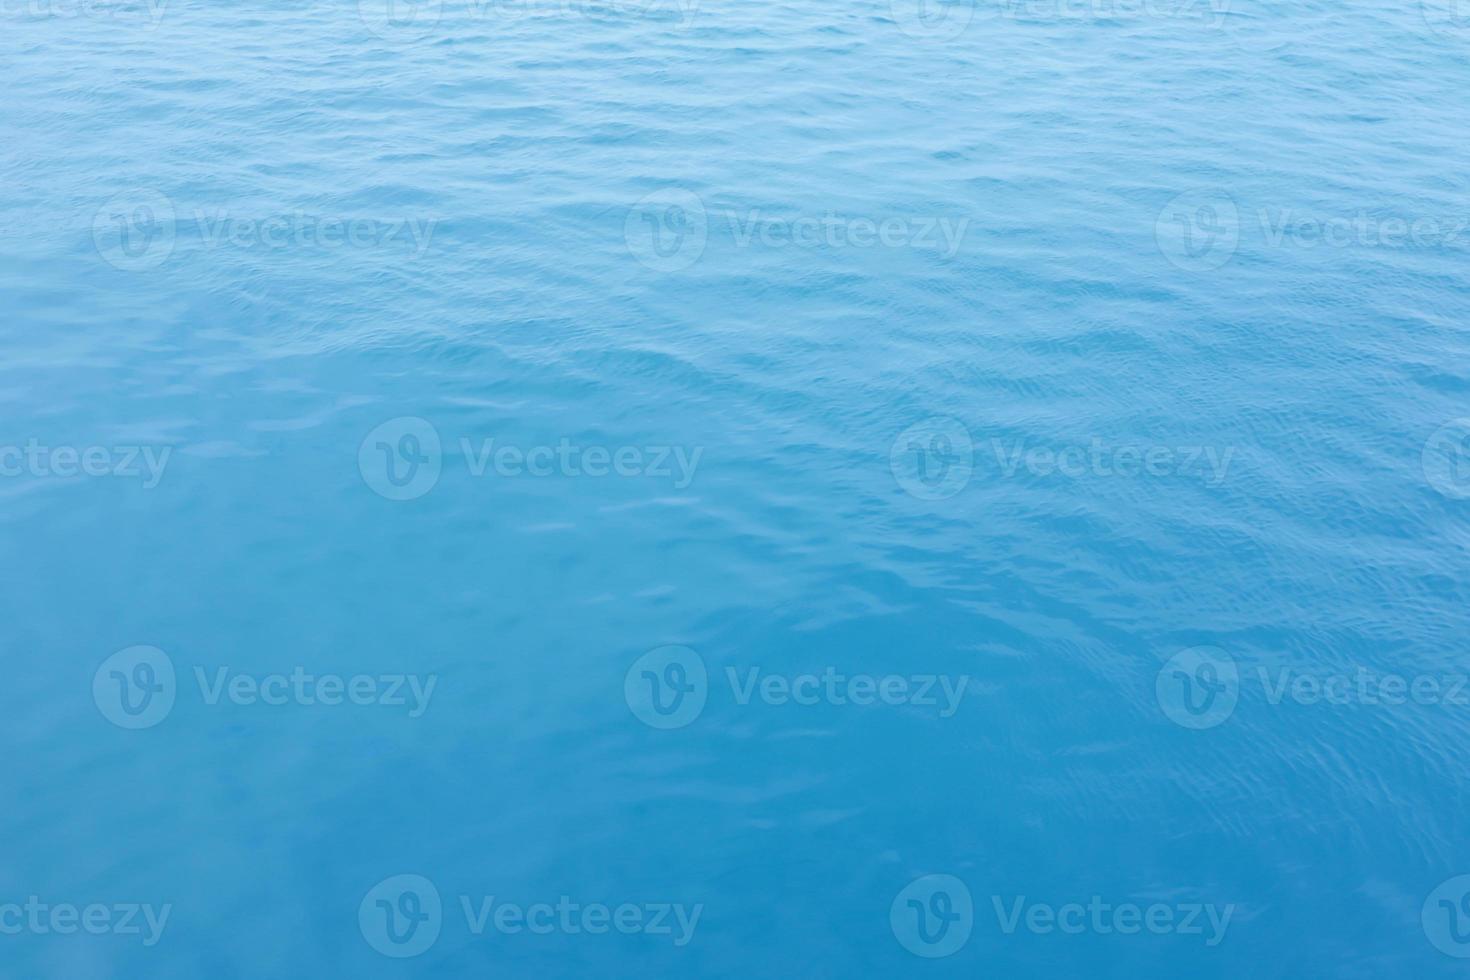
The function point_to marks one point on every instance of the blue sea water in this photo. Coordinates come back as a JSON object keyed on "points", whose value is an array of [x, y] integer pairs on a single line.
{"points": [[705, 488]]}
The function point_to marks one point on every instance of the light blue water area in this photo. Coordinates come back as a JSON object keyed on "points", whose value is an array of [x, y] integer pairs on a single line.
{"points": [[701, 489]]}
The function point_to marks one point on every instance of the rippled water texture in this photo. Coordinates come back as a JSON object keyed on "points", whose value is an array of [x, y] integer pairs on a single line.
{"points": [[914, 491]]}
